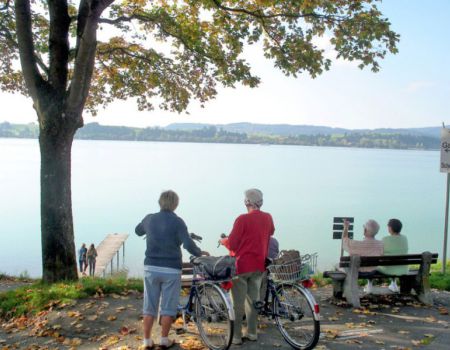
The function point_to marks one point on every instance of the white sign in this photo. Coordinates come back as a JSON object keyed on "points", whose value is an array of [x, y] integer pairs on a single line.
{"points": [[445, 150]]}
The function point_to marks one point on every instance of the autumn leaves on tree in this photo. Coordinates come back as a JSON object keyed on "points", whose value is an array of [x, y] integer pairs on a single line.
{"points": [[82, 55]]}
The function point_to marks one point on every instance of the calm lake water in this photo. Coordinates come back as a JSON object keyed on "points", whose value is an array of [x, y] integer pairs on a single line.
{"points": [[115, 184]]}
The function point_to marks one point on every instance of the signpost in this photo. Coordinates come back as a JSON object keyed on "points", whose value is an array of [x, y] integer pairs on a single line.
{"points": [[445, 168], [338, 228]]}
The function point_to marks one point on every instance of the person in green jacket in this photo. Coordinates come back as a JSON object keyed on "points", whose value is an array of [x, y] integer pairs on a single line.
{"points": [[394, 244]]}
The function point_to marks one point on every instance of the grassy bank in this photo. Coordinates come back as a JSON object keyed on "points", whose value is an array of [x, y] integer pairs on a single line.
{"points": [[40, 296], [437, 279]]}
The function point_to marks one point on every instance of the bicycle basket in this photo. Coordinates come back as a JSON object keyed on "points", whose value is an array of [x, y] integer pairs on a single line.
{"points": [[287, 267], [215, 268]]}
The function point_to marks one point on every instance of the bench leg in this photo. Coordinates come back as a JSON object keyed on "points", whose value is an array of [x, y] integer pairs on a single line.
{"points": [[338, 288], [423, 280], [351, 287]]}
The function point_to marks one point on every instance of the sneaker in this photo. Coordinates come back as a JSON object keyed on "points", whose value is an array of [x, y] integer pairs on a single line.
{"points": [[236, 341], [167, 344], [251, 337], [394, 288], [368, 288]]}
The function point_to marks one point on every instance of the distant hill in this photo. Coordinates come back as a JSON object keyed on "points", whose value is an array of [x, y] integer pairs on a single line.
{"points": [[293, 130], [248, 133]]}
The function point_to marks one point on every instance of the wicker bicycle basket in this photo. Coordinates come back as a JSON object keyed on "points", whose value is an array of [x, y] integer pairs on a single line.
{"points": [[290, 267]]}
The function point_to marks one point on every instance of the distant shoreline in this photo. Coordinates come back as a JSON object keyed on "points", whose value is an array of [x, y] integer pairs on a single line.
{"points": [[235, 143], [392, 139]]}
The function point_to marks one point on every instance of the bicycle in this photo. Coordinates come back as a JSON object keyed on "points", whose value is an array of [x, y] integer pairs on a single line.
{"points": [[210, 308], [290, 304]]}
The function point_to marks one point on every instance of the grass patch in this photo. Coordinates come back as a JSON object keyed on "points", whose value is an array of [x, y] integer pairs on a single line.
{"points": [[319, 280], [438, 266], [440, 281], [23, 277], [40, 296]]}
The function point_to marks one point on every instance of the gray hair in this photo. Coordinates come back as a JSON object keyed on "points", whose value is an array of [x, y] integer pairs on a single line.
{"points": [[253, 198], [371, 227], [168, 200]]}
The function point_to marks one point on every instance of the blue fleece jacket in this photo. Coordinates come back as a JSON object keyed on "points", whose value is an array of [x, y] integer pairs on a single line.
{"points": [[166, 232]]}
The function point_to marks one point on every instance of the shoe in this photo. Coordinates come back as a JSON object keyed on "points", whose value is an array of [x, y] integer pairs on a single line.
{"points": [[251, 337], [368, 289], [236, 341], [394, 288], [167, 345], [148, 347]]}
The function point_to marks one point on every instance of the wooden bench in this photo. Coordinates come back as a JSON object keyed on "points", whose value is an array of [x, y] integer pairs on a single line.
{"points": [[345, 283], [187, 273]]}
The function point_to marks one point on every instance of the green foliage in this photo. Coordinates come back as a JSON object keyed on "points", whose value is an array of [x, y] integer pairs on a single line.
{"points": [[175, 51], [440, 281], [39, 296], [319, 280], [438, 266]]}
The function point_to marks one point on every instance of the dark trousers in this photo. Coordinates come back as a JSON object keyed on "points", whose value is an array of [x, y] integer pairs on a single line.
{"points": [[91, 267]]}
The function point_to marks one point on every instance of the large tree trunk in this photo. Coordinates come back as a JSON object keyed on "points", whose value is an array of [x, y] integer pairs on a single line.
{"points": [[58, 248]]}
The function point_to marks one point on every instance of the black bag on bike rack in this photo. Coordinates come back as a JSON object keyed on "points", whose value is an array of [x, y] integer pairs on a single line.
{"points": [[217, 268]]}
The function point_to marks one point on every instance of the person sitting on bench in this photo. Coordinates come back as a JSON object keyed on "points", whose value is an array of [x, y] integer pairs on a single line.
{"points": [[369, 246], [394, 244]]}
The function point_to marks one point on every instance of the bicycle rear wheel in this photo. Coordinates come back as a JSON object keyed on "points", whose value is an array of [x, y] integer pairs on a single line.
{"points": [[294, 315], [214, 317]]}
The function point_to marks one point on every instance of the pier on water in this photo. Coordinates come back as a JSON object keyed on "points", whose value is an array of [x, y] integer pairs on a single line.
{"points": [[108, 254]]}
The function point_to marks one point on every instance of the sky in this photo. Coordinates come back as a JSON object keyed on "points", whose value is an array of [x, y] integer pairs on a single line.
{"points": [[411, 90]]}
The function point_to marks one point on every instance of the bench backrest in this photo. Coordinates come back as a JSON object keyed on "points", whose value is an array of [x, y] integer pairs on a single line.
{"points": [[187, 269], [388, 260]]}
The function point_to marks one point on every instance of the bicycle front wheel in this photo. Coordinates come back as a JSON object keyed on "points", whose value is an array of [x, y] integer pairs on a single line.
{"points": [[214, 317], [294, 312]]}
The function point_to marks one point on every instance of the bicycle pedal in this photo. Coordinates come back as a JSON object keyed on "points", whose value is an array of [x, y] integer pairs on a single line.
{"points": [[259, 305], [180, 331]]}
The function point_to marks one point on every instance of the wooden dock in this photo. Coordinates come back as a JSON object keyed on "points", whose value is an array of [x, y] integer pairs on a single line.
{"points": [[109, 249]]}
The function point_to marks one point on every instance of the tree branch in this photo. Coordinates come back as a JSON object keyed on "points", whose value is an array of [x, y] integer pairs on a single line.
{"points": [[259, 14], [6, 33], [33, 78], [88, 16], [58, 44]]}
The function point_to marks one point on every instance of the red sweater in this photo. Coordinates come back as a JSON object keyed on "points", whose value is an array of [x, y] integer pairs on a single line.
{"points": [[249, 241]]}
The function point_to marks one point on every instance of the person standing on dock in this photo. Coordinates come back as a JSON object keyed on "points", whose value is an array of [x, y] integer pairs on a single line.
{"points": [[165, 233], [82, 258], [91, 258]]}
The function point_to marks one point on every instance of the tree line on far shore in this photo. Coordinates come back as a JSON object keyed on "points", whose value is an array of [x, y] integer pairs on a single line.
{"points": [[212, 134]]}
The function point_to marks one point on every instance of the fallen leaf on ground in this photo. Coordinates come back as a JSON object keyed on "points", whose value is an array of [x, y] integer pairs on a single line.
{"points": [[442, 310], [112, 340], [126, 330], [73, 313], [112, 318]]}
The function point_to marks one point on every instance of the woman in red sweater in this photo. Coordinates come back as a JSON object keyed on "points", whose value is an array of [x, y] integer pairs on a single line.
{"points": [[249, 241]]}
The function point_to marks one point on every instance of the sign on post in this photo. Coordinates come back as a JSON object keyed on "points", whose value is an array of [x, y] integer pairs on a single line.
{"points": [[445, 150], [338, 227]]}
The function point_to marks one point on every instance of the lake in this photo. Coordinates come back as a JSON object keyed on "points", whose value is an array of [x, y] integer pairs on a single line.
{"points": [[116, 183]]}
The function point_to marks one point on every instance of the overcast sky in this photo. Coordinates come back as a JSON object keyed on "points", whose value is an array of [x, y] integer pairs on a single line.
{"points": [[411, 90]]}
